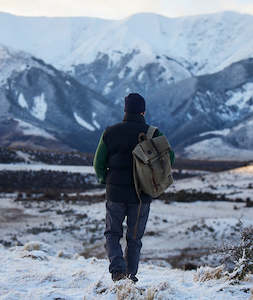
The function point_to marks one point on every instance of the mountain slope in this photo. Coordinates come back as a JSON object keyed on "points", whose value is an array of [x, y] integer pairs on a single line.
{"points": [[230, 143], [52, 101], [206, 103]]}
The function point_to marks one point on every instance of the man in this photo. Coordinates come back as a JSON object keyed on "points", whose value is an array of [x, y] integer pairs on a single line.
{"points": [[113, 164]]}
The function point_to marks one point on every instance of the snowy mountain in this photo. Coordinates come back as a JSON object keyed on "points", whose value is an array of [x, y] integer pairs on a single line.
{"points": [[194, 113], [195, 73], [203, 44], [137, 53], [46, 107]]}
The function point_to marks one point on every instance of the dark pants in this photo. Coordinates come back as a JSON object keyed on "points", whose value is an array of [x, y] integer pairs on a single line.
{"points": [[115, 215]]}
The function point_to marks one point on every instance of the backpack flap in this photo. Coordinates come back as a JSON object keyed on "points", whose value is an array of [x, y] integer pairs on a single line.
{"points": [[140, 153], [161, 144], [146, 152]]}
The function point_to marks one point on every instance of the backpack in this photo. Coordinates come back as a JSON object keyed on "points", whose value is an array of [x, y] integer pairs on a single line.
{"points": [[151, 164]]}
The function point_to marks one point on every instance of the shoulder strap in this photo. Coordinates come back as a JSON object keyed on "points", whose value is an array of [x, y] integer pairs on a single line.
{"points": [[150, 132]]}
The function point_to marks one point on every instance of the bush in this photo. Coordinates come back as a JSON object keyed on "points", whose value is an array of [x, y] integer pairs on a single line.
{"points": [[242, 255], [238, 259]]}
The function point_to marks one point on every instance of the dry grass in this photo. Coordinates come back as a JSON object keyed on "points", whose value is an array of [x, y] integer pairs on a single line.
{"points": [[208, 273], [126, 290], [150, 295], [251, 297], [32, 246]]}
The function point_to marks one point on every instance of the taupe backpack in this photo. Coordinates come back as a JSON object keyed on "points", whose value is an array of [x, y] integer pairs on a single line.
{"points": [[151, 164]]}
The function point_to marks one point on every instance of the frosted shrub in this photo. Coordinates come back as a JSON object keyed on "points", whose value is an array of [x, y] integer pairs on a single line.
{"points": [[238, 259], [242, 256]]}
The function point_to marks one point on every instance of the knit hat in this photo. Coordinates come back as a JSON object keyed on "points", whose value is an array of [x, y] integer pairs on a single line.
{"points": [[134, 104]]}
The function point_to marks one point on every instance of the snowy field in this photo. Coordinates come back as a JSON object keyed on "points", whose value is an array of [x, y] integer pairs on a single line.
{"points": [[237, 183], [36, 271], [34, 167], [67, 258]]}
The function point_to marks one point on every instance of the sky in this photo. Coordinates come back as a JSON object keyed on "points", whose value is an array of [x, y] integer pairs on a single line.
{"points": [[118, 9]]}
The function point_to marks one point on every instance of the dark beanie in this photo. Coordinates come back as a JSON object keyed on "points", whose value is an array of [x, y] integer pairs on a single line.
{"points": [[134, 104]]}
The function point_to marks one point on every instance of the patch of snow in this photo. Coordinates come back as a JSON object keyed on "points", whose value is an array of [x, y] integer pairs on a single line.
{"points": [[83, 123], [29, 129], [140, 76], [122, 73], [189, 116], [24, 156], [22, 101], [240, 98], [39, 108], [222, 132], [96, 124], [108, 88], [217, 149], [94, 120], [93, 78], [248, 123]]}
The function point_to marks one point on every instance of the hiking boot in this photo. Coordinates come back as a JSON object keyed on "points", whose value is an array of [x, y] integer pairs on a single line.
{"points": [[133, 278], [116, 276]]}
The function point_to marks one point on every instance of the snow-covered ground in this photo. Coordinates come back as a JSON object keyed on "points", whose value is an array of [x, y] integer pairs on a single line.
{"points": [[177, 234], [38, 167], [36, 271], [237, 183], [79, 227], [204, 150]]}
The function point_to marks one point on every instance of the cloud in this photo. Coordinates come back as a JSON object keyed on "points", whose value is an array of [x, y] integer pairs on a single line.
{"points": [[195, 7], [117, 9], [99, 8]]}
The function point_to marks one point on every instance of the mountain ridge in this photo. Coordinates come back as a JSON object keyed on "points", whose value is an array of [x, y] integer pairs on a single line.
{"points": [[192, 102], [82, 31]]}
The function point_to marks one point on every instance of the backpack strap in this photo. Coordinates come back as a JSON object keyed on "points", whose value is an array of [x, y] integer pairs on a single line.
{"points": [[151, 131]]}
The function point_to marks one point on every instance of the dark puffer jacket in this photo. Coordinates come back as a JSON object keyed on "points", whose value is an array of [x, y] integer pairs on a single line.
{"points": [[113, 160], [120, 141]]}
